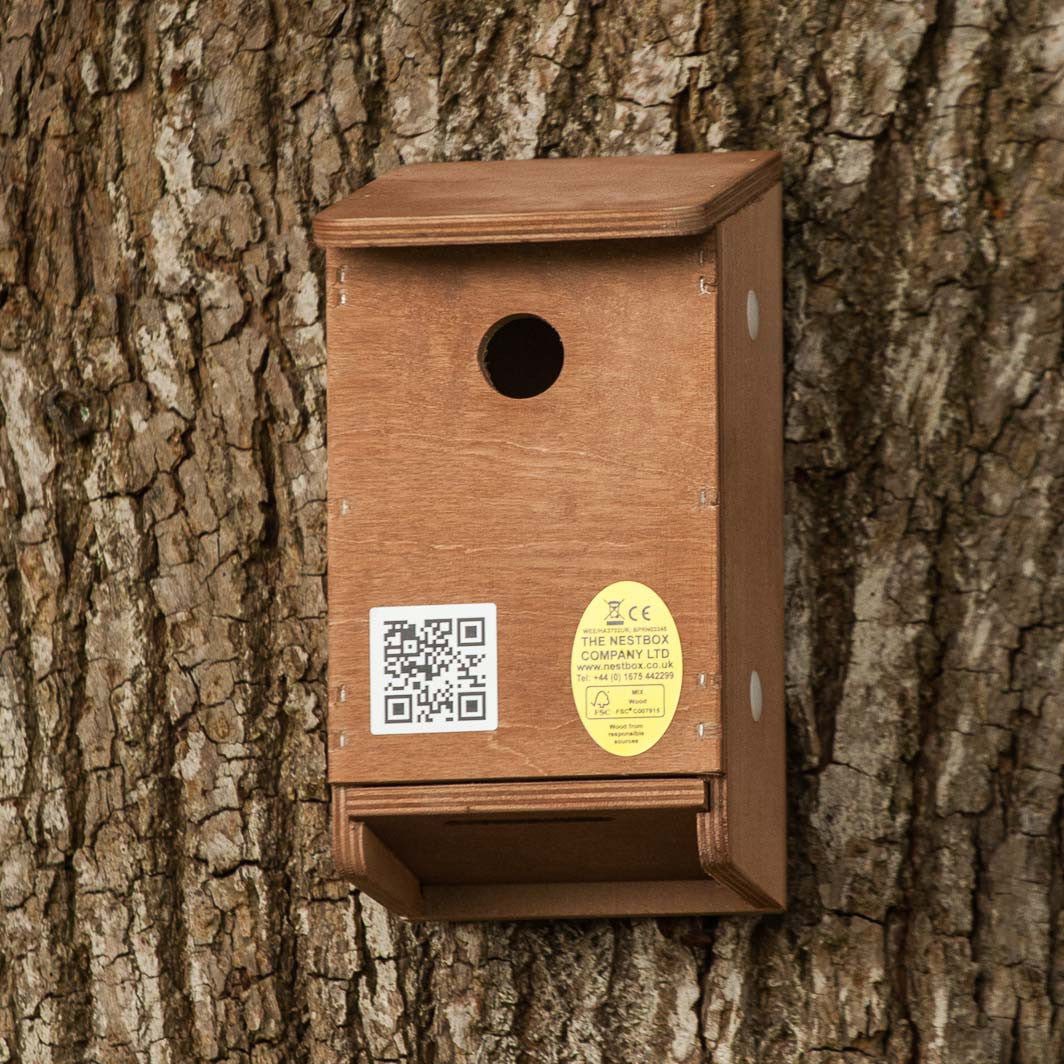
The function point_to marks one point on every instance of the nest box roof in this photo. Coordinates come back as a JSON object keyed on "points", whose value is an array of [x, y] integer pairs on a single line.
{"points": [[547, 199]]}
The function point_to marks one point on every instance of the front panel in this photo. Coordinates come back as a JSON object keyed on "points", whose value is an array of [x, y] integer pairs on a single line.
{"points": [[444, 493]]}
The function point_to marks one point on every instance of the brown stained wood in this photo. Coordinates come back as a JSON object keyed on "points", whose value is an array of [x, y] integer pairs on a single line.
{"points": [[442, 490], [403, 845], [715, 853], [628, 864], [375, 869], [344, 853], [563, 832], [535, 901], [522, 832], [552, 796], [538, 901], [660, 426], [547, 200], [751, 543], [380, 864], [609, 845]]}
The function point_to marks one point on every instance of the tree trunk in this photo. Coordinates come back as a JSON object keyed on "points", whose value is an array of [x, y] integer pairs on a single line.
{"points": [[165, 888]]}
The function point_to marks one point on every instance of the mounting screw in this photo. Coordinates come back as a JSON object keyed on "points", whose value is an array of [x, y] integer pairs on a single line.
{"points": [[701, 679], [344, 507], [342, 694]]}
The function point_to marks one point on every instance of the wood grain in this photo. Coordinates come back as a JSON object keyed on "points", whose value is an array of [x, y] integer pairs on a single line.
{"points": [[553, 796], [375, 869], [547, 200], [664, 422], [538, 901], [751, 543], [399, 842], [442, 490], [715, 834], [467, 859]]}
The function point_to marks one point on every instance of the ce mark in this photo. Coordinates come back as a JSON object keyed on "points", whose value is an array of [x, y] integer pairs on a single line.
{"points": [[635, 612]]}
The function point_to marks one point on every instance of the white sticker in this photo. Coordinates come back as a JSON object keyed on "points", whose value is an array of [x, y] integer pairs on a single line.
{"points": [[433, 669]]}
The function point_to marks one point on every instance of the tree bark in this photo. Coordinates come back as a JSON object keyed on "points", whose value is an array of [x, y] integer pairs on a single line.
{"points": [[165, 887]]}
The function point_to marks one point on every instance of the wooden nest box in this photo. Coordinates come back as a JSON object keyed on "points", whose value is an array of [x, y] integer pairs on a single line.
{"points": [[555, 537]]}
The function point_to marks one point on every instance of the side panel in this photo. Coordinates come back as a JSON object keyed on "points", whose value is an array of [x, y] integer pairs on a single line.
{"points": [[751, 472], [442, 490]]}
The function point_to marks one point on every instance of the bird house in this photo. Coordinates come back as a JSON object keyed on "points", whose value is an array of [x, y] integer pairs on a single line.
{"points": [[555, 537]]}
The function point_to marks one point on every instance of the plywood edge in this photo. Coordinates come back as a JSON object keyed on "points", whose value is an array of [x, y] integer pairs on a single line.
{"points": [[360, 856], [553, 796], [336, 227], [509, 229], [716, 856]]}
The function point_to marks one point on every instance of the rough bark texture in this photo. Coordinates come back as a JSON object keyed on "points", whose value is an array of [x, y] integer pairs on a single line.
{"points": [[165, 890]]}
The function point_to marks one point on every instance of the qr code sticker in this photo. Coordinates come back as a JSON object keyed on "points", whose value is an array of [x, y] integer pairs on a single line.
{"points": [[433, 668]]}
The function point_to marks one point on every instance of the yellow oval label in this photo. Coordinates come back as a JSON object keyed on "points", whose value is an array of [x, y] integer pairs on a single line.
{"points": [[627, 668]]}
